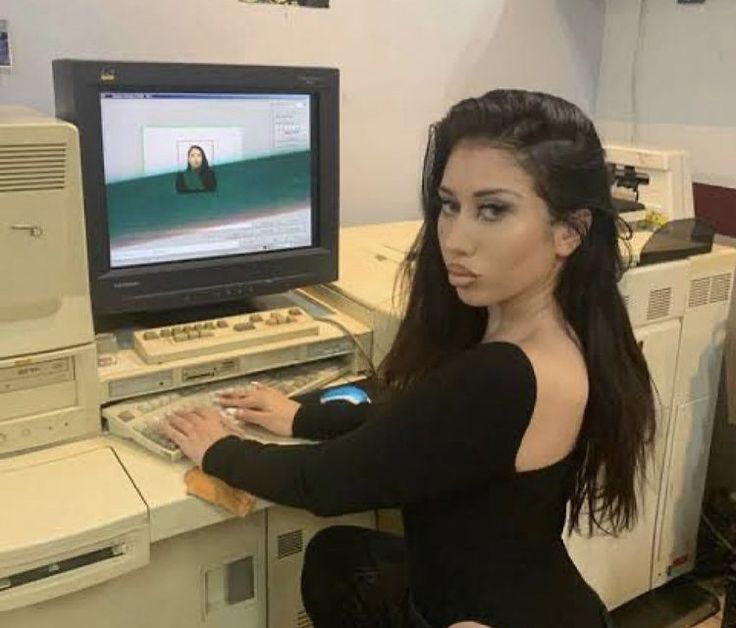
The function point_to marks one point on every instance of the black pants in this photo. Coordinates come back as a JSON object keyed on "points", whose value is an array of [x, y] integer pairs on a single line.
{"points": [[358, 578]]}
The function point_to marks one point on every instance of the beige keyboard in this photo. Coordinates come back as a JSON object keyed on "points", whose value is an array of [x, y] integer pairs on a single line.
{"points": [[138, 419], [167, 344]]}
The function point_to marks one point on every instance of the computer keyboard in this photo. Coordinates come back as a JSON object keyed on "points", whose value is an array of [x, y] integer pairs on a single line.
{"points": [[138, 419], [166, 344]]}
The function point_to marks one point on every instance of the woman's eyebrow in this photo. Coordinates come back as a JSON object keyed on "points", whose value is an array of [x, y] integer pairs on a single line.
{"points": [[494, 191], [483, 192]]}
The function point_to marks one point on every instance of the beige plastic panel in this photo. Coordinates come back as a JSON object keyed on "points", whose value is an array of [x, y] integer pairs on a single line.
{"points": [[675, 549], [44, 284], [169, 592], [58, 509], [38, 410]]}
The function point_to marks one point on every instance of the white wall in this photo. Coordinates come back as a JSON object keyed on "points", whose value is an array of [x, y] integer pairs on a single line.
{"points": [[402, 62], [685, 87]]}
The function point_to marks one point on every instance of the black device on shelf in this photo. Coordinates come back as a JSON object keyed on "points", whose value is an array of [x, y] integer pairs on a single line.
{"points": [[678, 239]]}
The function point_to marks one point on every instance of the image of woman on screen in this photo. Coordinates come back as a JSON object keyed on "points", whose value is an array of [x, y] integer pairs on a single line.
{"points": [[198, 177]]}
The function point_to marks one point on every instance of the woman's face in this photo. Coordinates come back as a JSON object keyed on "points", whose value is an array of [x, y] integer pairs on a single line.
{"points": [[495, 232], [195, 158]]}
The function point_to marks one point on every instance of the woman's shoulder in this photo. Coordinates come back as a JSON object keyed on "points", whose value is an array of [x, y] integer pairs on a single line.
{"points": [[561, 397], [534, 356], [501, 353], [493, 365], [556, 358], [491, 350]]}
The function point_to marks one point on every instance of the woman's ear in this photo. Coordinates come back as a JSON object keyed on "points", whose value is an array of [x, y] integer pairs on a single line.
{"points": [[569, 233]]}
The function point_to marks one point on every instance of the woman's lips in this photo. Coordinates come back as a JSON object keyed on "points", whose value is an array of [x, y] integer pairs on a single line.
{"points": [[459, 276]]}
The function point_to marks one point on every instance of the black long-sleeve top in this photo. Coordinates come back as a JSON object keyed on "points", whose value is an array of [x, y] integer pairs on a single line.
{"points": [[484, 540]]}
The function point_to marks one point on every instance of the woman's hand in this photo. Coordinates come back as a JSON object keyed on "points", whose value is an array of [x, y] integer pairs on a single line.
{"points": [[262, 406], [194, 432]]}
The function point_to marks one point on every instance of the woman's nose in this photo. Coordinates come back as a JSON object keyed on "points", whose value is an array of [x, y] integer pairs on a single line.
{"points": [[458, 235]]}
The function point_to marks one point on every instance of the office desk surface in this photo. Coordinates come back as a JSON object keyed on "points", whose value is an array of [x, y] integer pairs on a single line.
{"points": [[159, 482]]}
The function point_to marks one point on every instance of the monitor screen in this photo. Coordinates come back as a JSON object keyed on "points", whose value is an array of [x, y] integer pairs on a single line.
{"points": [[203, 183], [200, 175]]}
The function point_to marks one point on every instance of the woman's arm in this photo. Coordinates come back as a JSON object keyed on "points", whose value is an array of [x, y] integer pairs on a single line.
{"points": [[460, 427], [323, 421], [273, 411]]}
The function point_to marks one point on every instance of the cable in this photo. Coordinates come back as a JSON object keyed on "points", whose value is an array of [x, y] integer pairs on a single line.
{"points": [[634, 68], [714, 531], [347, 332]]}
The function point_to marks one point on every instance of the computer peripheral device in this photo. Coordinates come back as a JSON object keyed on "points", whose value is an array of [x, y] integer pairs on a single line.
{"points": [[203, 183], [138, 419], [348, 392], [176, 342]]}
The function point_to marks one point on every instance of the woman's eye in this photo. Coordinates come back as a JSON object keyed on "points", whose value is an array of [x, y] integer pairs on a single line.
{"points": [[448, 207], [490, 212]]}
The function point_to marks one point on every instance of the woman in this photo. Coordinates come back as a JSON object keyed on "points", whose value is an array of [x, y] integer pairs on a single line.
{"points": [[198, 177], [519, 390]]}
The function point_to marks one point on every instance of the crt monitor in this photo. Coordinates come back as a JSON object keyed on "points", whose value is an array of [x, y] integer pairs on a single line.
{"points": [[203, 183]]}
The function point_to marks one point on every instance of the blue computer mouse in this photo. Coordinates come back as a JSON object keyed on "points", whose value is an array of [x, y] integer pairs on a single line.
{"points": [[349, 393]]}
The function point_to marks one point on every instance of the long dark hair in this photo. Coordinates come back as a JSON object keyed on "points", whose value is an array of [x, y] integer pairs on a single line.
{"points": [[557, 145]]}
